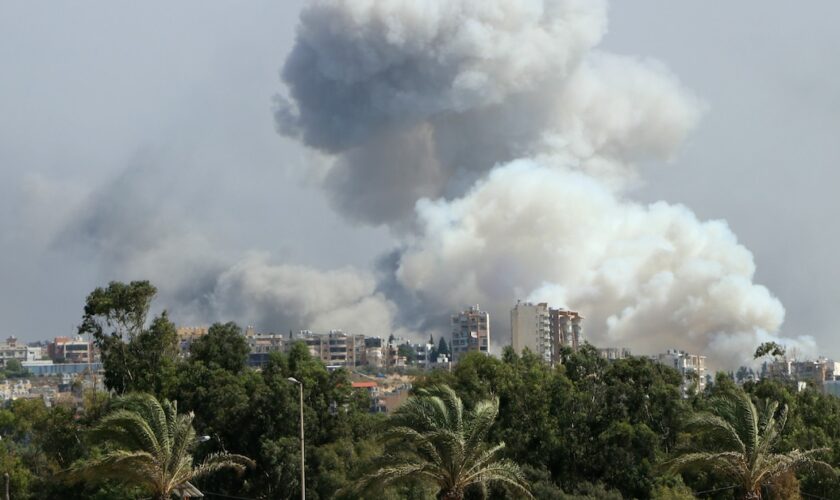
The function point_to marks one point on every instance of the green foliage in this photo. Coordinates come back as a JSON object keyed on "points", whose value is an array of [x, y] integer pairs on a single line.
{"points": [[408, 352], [434, 438], [148, 444], [769, 349], [585, 429], [743, 443], [443, 347], [223, 347], [134, 358], [14, 369]]}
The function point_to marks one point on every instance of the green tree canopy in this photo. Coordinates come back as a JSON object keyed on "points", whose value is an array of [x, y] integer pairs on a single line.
{"points": [[148, 444], [743, 444], [134, 357], [223, 346], [435, 439]]}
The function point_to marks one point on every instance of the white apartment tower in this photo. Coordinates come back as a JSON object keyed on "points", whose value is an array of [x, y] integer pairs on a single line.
{"points": [[530, 327], [470, 332]]}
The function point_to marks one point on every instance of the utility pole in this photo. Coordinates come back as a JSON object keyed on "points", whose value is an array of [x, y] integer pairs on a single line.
{"points": [[302, 459], [6, 475]]}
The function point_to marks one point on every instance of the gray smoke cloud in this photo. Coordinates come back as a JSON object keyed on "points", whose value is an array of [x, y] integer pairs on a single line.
{"points": [[419, 99], [425, 108]]}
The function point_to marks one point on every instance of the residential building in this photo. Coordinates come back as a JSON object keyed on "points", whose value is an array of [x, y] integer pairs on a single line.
{"points": [[816, 372], [566, 329], [424, 354], [614, 353], [265, 342], [470, 332], [187, 335], [530, 328], [71, 350], [12, 349], [336, 349], [691, 366], [261, 346]]}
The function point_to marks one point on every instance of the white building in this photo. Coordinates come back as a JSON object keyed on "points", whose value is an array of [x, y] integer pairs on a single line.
{"points": [[530, 328], [614, 353], [691, 366]]}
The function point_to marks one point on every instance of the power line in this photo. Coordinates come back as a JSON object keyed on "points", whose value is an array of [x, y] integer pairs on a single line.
{"points": [[811, 495], [226, 496], [716, 489]]}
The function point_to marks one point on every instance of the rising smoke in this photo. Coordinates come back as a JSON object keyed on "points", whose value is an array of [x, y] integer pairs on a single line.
{"points": [[499, 144]]}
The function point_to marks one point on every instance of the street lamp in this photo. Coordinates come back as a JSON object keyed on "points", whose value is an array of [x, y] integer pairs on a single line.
{"points": [[302, 460]]}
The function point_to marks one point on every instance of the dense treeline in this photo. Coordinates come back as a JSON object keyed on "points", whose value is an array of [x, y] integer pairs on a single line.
{"points": [[587, 429]]}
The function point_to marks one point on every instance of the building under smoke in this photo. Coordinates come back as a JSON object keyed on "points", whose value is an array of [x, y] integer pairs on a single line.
{"points": [[544, 330], [470, 332]]}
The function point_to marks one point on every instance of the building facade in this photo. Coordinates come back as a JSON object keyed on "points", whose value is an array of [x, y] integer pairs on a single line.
{"points": [[470, 332], [335, 349], [11, 349], [566, 329], [530, 328], [70, 350], [614, 353], [691, 366]]}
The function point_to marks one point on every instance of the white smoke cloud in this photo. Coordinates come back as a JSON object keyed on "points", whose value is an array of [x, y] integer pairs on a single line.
{"points": [[650, 277], [425, 106], [300, 297]]}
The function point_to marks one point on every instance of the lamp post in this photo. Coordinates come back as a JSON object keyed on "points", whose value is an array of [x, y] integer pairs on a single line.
{"points": [[302, 459]]}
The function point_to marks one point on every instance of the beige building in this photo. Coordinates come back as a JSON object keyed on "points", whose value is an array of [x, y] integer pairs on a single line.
{"points": [[566, 331], [186, 336], [530, 328], [470, 332], [12, 349], [336, 348]]}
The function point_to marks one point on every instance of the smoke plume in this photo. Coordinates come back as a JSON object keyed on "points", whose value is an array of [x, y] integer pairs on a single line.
{"points": [[499, 143]]}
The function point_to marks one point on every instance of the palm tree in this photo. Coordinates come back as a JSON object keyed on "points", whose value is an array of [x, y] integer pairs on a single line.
{"points": [[149, 444], [743, 438], [434, 439]]}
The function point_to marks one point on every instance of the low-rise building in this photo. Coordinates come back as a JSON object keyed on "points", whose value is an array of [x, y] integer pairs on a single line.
{"points": [[614, 353], [11, 349], [187, 335], [691, 366], [335, 349], [70, 350]]}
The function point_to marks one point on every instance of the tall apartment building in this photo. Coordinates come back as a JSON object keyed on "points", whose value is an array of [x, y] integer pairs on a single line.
{"points": [[530, 328], [566, 330], [691, 366], [470, 332]]}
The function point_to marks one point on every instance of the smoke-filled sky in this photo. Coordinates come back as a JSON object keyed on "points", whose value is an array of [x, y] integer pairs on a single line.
{"points": [[668, 170]]}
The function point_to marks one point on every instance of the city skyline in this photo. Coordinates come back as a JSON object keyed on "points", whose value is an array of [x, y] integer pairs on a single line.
{"points": [[130, 151]]}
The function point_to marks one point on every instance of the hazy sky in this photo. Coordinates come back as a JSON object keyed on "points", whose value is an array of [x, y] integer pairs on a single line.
{"points": [[137, 141]]}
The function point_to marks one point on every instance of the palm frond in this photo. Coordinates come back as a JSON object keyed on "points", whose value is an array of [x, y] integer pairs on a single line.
{"points": [[220, 461], [723, 433], [728, 463], [502, 471]]}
